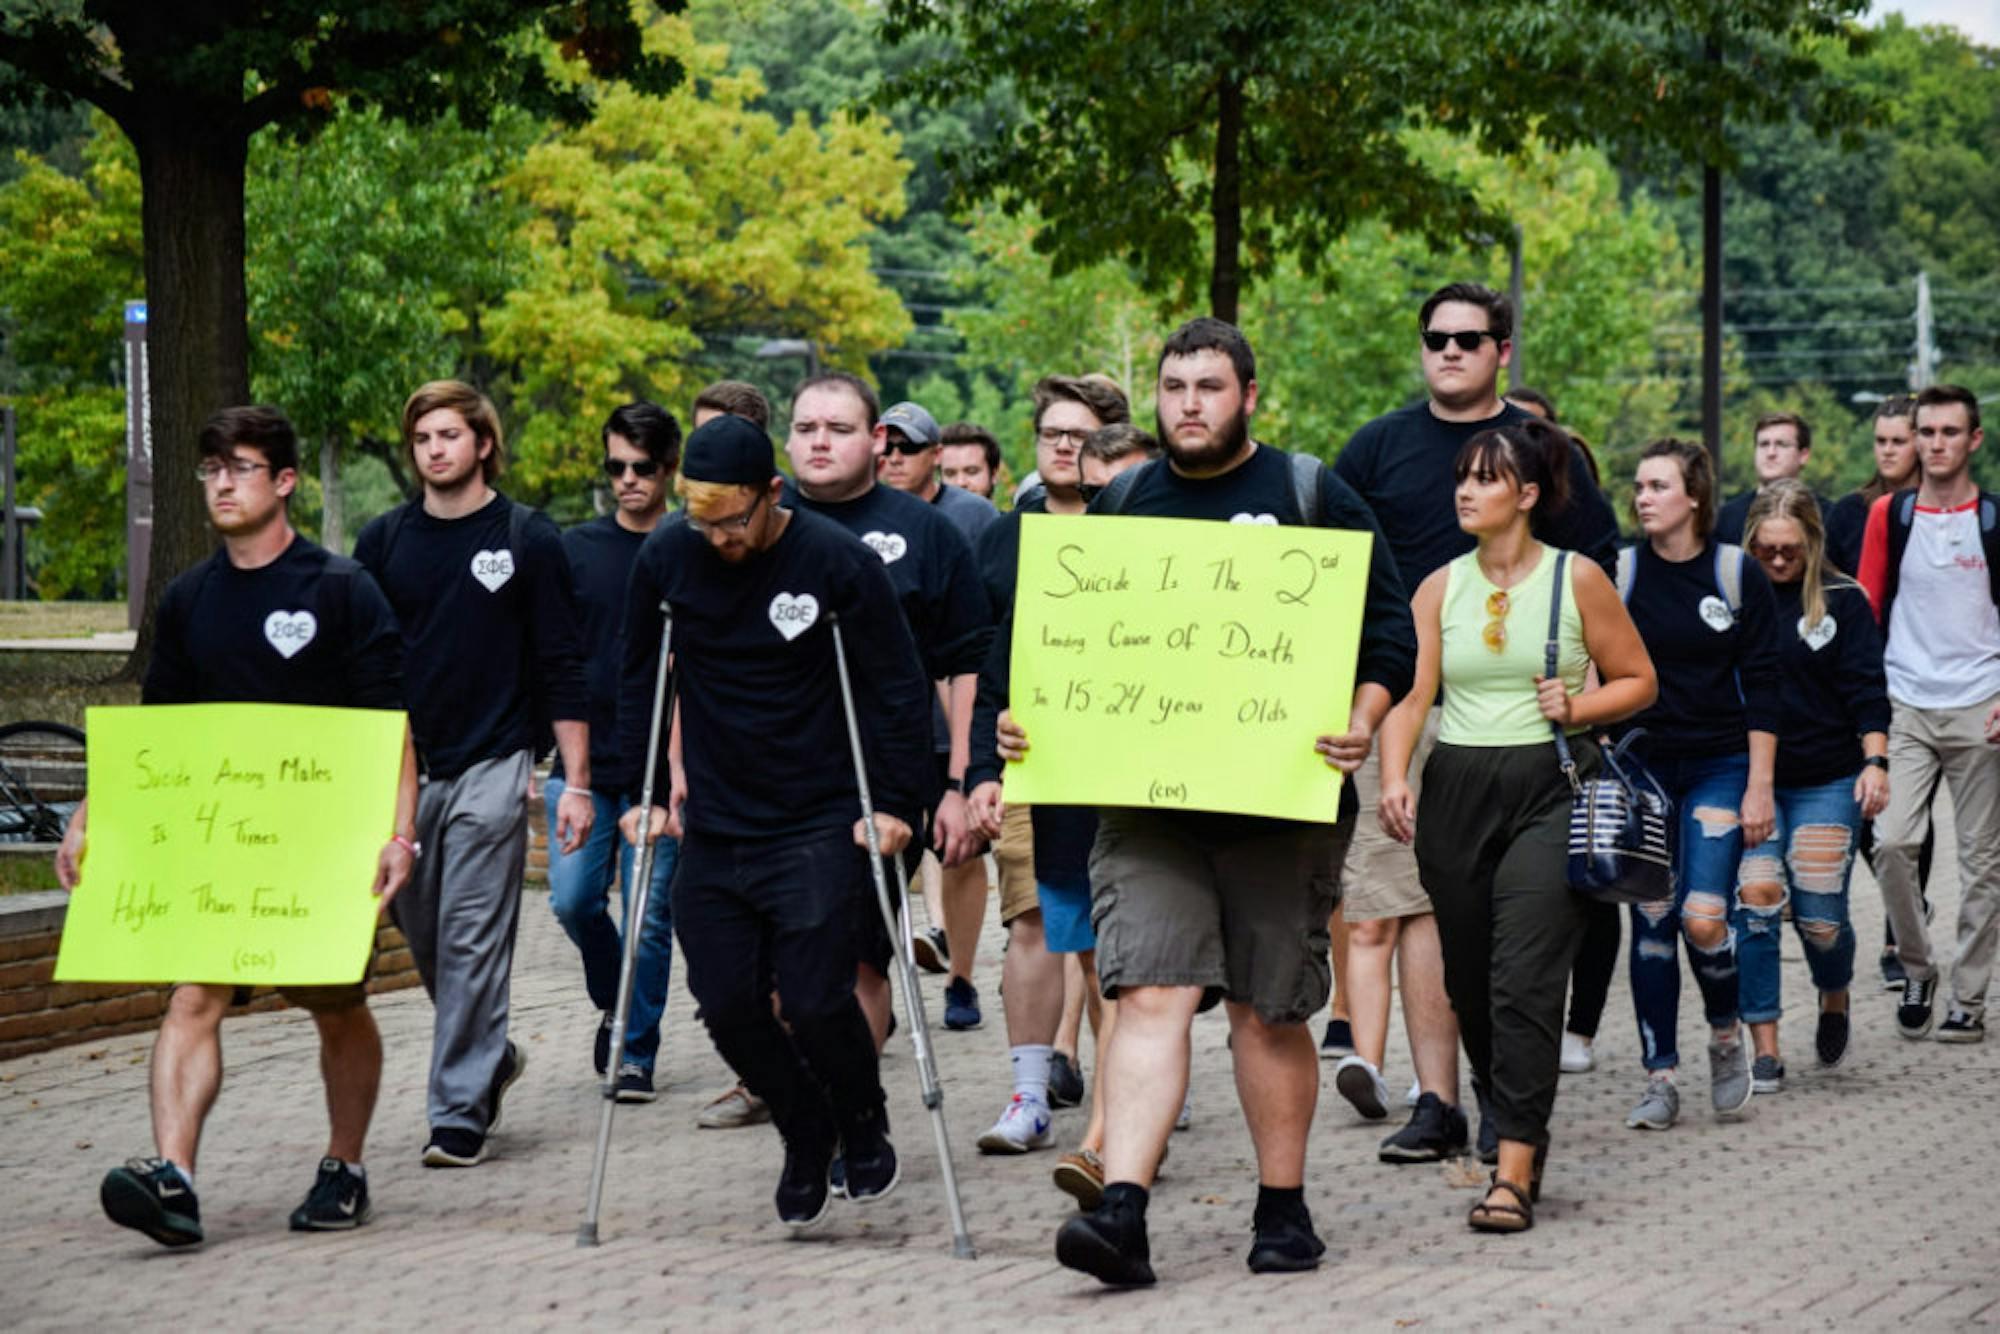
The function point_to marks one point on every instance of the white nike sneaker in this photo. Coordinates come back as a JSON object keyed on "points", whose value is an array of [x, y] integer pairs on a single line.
{"points": [[1025, 1125], [1577, 1056]]}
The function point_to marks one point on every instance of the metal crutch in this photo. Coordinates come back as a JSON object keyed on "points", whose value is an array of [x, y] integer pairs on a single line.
{"points": [[636, 897], [913, 997]]}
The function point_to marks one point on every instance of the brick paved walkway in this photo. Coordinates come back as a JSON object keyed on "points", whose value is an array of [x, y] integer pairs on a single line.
{"points": [[1863, 1197]]}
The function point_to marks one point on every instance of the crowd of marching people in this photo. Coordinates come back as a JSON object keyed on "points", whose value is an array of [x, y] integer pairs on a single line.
{"points": [[1801, 677]]}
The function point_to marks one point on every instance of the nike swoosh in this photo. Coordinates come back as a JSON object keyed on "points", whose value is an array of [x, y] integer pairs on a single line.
{"points": [[168, 1192], [347, 1207]]}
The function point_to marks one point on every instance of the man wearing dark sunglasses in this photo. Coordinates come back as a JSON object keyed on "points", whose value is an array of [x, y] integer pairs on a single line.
{"points": [[908, 438], [1402, 464], [642, 446]]}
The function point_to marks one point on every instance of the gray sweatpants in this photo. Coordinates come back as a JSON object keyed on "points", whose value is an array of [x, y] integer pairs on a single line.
{"points": [[459, 912]]}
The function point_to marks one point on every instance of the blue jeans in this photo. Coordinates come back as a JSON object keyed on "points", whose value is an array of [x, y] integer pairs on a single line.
{"points": [[580, 892], [1807, 859], [1708, 796]]}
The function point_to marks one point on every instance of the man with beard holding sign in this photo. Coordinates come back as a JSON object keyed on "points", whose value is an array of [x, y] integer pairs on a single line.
{"points": [[1192, 906], [772, 868]]}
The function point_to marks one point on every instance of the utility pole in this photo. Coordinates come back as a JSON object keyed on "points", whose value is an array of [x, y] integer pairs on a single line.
{"points": [[1517, 373], [1711, 298], [1925, 366]]}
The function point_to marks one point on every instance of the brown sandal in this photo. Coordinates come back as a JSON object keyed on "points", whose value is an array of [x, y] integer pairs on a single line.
{"points": [[1489, 1216]]}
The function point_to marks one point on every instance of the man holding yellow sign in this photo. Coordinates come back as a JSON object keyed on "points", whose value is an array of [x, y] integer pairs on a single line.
{"points": [[1192, 906], [275, 619]]}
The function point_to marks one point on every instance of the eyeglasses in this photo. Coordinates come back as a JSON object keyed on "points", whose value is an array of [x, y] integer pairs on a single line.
{"points": [[902, 444], [210, 469], [1498, 604], [1785, 552], [1467, 339], [734, 524], [1055, 435], [615, 468]]}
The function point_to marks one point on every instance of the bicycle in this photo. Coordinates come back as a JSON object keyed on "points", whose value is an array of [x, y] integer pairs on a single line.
{"points": [[42, 776]]}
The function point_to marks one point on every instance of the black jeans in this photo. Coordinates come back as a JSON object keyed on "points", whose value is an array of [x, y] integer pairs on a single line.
{"points": [[1492, 842], [1596, 961], [757, 914]]}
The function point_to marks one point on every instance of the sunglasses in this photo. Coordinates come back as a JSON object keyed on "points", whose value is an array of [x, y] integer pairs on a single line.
{"points": [[615, 468], [1467, 339], [902, 444], [1786, 552], [1498, 604]]}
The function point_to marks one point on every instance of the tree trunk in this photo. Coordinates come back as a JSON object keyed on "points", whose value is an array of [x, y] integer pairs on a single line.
{"points": [[1225, 206], [332, 521], [192, 160]]}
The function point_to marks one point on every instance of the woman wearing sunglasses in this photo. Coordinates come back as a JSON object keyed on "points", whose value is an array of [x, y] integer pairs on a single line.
{"points": [[1492, 826], [1832, 773], [1706, 613]]}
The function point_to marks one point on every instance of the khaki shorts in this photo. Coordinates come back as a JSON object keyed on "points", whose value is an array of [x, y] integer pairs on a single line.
{"points": [[1014, 853], [1244, 919], [1380, 880], [320, 1000]]}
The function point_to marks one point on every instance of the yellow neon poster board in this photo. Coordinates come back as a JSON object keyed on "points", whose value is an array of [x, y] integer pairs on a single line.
{"points": [[232, 843], [1183, 662]]}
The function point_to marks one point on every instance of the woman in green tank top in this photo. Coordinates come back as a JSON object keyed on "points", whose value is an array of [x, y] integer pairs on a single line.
{"points": [[1492, 825]]}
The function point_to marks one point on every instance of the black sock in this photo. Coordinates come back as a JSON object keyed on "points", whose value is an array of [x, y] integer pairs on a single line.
{"points": [[1126, 1197], [1278, 1200]]}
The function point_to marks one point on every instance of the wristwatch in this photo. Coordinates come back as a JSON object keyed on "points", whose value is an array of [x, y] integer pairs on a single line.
{"points": [[1876, 762]]}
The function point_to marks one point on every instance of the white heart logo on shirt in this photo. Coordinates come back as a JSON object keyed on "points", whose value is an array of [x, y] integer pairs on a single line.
{"points": [[493, 568], [290, 631], [889, 546], [1716, 612], [794, 615], [1253, 518], [1820, 635]]}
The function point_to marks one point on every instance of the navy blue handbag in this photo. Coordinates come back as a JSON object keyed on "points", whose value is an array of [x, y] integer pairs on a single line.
{"points": [[1621, 822]]}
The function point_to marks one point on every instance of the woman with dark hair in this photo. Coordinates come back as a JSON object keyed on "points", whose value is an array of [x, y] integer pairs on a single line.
{"points": [[1492, 826], [1706, 614], [1832, 773]]}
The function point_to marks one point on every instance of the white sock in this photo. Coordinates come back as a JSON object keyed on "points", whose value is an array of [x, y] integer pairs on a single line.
{"points": [[1031, 1071], [355, 1169], [187, 1173]]}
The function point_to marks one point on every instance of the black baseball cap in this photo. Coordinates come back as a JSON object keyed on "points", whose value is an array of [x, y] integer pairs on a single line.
{"points": [[731, 450]]}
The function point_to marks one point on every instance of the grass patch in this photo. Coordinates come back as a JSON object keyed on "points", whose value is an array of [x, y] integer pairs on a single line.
{"points": [[60, 620], [57, 687], [25, 872]]}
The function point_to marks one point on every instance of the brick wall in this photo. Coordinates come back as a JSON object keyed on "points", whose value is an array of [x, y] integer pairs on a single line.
{"points": [[37, 1012]]}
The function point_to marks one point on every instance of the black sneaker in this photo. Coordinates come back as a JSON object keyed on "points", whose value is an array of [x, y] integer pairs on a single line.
{"points": [[1914, 1015], [1285, 1243], [513, 1064], [1109, 1244], [804, 1189], [150, 1195], [1961, 1026], [1066, 1087], [1830, 1039], [635, 1083], [1338, 1040], [600, 1045], [455, 1146], [870, 1160], [337, 1201], [1893, 975], [1489, 1140], [961, 1005], [1436, 1131], [932, 951]]}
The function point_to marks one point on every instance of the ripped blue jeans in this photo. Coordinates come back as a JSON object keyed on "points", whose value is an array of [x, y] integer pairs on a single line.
{"points": [[1707, 794], [1807, 861]]}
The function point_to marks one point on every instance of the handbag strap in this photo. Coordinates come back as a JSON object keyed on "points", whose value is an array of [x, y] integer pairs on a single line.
{"points": [[1551, 658]]}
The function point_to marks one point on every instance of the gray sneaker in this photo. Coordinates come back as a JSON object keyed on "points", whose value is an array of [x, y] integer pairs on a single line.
{"points": [[1658, 1108], [1729, 1083]]}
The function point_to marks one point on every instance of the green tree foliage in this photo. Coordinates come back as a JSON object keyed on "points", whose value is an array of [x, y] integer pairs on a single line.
{"points": [[69, 252], [1286, 123], [667, 216]]}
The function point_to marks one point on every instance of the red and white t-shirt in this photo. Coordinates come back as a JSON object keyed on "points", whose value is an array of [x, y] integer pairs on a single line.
{"points": [[1943, 649]]}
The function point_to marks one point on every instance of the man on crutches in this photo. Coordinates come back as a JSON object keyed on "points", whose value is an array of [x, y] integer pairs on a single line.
{"points": [[763, 796]]}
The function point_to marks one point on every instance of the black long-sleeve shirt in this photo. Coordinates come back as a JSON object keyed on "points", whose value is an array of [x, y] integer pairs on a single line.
{"points": [[485, 628], [1261, 486], [600, 555], [1846, 521], [763, 729], [309, 628], [998, 554], [1719, 677], [1834, 689], [1401, 465]]}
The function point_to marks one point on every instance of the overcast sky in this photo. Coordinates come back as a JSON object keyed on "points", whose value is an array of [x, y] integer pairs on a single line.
{"points": [[1978, 19]]}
